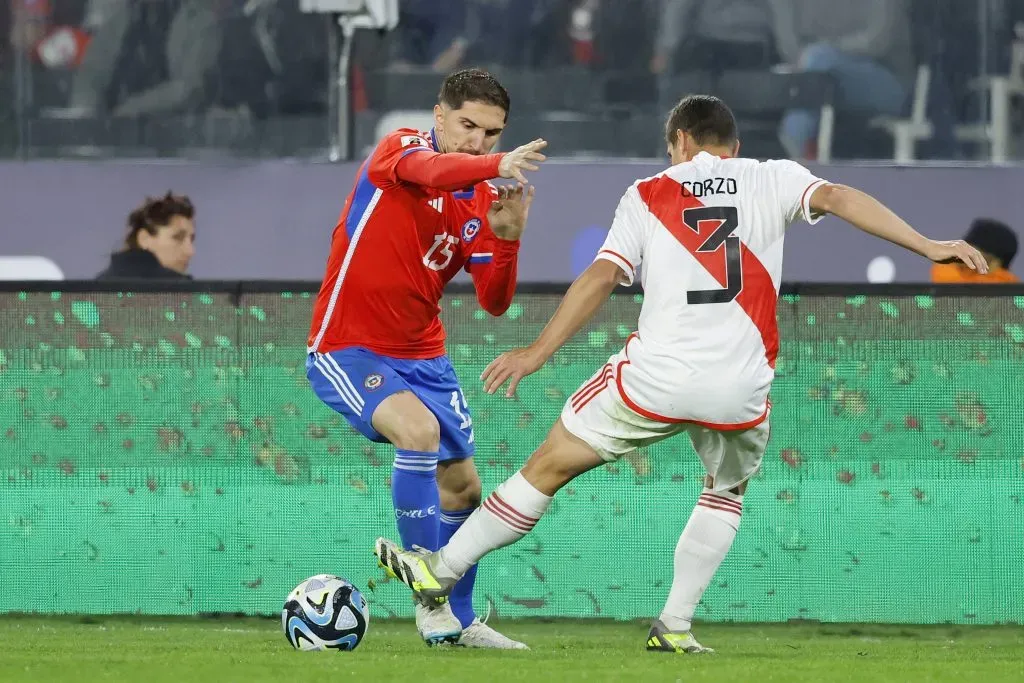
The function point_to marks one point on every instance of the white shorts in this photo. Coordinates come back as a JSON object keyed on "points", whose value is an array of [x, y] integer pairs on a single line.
{"points": [[597, 415]]}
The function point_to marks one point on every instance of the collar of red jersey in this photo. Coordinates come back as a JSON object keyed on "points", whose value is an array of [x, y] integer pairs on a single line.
{"points": [[432, 137]]}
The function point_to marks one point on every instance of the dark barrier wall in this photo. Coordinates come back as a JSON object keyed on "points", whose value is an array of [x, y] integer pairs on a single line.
{"points": [[161, 452], [273, 220]]}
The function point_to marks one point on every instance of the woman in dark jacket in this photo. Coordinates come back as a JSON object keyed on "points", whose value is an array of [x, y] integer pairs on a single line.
{"points": [[160, 241]]}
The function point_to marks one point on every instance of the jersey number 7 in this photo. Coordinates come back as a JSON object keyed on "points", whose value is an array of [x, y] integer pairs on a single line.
{"points": [[729, 218]]}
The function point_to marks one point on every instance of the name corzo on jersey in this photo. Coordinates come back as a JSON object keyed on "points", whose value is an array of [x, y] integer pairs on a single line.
{"points": [[709, 186]]}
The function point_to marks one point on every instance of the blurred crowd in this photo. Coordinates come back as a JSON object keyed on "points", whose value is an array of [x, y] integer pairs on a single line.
{"points": [[139, 57], [102, 59]]}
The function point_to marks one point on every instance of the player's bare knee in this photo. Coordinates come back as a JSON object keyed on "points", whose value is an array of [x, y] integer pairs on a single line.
{"points": [[408, 424], [419, 433]]}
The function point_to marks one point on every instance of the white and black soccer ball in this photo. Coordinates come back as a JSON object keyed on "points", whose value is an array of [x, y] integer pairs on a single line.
{"points": [[325, 612]]}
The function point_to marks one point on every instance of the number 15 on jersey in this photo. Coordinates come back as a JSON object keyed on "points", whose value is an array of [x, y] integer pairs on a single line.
{"points": [[442, 250]]}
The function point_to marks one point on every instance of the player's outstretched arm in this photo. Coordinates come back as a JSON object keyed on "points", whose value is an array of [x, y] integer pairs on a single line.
{"points": [[868, 214], [455, 171], [580, 303]]}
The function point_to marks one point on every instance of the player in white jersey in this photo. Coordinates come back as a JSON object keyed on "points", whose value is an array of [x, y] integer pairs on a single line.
{"points": [[705, 238]]}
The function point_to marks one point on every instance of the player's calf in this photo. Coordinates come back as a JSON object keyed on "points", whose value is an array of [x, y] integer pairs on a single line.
{"points": [[459, 484]]}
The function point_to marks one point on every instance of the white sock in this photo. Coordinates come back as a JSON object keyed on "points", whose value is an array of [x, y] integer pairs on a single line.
{"points": [[702, 546], [505, 516]]}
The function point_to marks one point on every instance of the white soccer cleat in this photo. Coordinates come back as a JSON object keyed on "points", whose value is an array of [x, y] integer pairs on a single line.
{"points": [[660, 639], [438, 625], [479, 634]]}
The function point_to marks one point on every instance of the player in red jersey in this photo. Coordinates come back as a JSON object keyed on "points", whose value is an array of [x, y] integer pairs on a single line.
{"points": [[420, 211]]}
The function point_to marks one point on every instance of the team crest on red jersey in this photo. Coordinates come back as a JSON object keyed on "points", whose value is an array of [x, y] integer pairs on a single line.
{"points": [[373, 381], [470, 230]]}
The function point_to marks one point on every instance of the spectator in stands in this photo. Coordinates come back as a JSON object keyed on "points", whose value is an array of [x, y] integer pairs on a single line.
{"points": [[713, 35], [623, 34], [160, 241], [148, 57], [430, 34], [997, 242], [607, 34], [493, 32], [865, 45]]}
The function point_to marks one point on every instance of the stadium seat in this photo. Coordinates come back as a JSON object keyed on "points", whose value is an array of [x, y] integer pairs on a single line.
{"points": [[673, 88], [907, 132], [563, 89], [633, 89], [580, 134], [997, 132], [387, 89], [759, 99], [568, 89]]}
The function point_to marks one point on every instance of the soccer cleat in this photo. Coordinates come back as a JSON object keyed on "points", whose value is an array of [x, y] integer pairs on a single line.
{"points": [[438, 625], [412, 567], [479, 634], [660, 639]]}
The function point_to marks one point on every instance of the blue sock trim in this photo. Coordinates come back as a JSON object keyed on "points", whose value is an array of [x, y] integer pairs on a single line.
{"points": [[415, 461]]}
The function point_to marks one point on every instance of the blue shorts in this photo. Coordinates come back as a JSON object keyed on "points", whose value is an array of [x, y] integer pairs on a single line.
{"points": [[354, 381]]}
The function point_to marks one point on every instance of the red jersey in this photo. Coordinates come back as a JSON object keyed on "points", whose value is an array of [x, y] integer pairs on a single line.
{"points": [[414, 218]]}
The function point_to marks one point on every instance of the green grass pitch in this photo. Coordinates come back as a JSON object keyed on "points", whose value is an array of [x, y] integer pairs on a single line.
{"points": [[155, 650]]}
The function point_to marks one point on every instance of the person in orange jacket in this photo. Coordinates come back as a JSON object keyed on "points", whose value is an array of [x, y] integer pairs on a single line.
{"points": [[997, 242]]}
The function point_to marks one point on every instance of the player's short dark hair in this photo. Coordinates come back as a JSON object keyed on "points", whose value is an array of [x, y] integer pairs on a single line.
{"points": [[473, 85], [705, 117], [154, 214]]}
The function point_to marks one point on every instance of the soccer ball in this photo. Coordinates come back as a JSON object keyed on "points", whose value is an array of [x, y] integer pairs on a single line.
{"points": [[325, 612]]}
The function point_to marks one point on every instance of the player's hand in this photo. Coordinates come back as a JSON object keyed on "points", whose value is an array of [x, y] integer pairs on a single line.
{"points": [[509, 211], [511, 365], [518, 160], [957, 250]]}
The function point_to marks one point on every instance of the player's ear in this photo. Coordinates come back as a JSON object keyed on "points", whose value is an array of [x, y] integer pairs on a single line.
{"points": [[736, 150], [438, 115]]}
